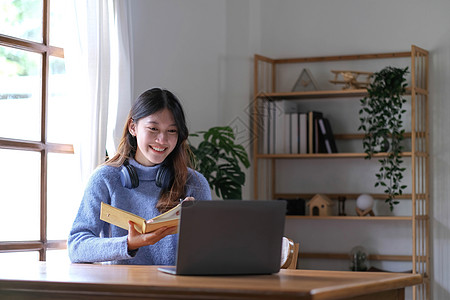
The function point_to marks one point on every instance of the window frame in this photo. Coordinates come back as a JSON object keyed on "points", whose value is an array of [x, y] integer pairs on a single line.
{"points": [[42, 146]]}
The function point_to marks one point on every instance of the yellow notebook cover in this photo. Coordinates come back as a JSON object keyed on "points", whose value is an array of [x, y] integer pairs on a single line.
{"points": [[120, 218]]}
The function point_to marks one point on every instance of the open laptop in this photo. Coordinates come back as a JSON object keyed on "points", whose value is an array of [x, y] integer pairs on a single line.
{"points": [[229, 237]]}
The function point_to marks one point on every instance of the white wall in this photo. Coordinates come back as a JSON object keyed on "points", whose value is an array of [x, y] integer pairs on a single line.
{"points": [[179, 45], [202, 50]]}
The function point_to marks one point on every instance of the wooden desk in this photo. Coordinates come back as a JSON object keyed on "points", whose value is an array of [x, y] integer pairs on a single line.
{"points": [[84, 281]]}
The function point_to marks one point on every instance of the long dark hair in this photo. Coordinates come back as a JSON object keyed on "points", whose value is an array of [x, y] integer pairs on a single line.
{"points": [[148, 103]]}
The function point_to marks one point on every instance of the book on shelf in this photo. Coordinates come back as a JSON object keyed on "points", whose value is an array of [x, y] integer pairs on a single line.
{"points": [[294, 130], [120, 218], [279, 127], [315, 144], [299, 133], [327, 135], [303, 133], [272, 127], [274, 123], [281, 123], [276, 126], [287, 131], [265, 127]]}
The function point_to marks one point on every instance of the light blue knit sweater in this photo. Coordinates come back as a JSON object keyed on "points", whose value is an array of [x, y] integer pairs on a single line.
{"points": [[92, 240]]}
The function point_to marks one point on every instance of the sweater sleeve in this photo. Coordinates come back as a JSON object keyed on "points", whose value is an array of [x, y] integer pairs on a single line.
{"points": [[197, 186], [88, 239]]}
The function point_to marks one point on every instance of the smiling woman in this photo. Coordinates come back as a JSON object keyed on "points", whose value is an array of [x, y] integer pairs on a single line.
{"points": [[147, 176]]}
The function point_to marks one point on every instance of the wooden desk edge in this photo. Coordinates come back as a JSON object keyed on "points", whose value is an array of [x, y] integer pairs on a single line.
{"points": [[35, 290], [368, 289], [48, 288]]}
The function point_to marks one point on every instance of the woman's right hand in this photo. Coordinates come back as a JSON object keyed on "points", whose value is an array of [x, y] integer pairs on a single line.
{"points": [[136, 240]]}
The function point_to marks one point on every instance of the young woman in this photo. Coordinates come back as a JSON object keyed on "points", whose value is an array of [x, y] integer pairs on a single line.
{"points": [[149, 175]]}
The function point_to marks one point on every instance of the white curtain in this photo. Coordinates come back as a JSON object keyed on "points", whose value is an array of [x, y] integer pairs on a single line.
{"points": [[121, 87], [98, 63]]}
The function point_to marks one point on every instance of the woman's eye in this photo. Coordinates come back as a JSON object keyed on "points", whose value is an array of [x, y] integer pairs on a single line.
{"points": [[172, 131], [153, 129]]}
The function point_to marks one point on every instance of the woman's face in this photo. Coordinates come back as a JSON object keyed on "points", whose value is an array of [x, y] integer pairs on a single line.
{"points": [[156, 135]]}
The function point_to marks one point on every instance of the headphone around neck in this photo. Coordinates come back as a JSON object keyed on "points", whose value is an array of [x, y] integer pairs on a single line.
{"points": [[130, 179]]}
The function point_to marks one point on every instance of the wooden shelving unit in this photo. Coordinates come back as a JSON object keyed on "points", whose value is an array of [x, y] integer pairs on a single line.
{"points": [[265, 81]]}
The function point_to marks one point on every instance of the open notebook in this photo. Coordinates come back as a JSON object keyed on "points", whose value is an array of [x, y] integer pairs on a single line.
{"points": [[120, 218]]}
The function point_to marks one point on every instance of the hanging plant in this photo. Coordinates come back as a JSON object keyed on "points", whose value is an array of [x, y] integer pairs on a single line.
{"points": [[381, 120]]}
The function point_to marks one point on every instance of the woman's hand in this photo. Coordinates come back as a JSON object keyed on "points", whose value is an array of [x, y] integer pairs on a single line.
{"points": [[137, 240]]}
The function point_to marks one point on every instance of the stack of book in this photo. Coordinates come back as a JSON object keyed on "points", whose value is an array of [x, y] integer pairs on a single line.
{"points": [[287, 131]]}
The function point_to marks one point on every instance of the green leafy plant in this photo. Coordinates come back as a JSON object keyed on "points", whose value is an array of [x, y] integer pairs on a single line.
{"points": [[219, 159], [381, 120]]}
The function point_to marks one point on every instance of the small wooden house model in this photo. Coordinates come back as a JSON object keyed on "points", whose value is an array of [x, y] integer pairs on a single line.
{"points": [[320, 205]]}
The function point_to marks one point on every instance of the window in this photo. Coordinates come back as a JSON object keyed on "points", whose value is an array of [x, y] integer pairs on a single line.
{"points": [[39, 193]]}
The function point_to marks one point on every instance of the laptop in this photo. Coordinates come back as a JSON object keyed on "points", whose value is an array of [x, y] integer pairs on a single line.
{"points": [[229, 237]]}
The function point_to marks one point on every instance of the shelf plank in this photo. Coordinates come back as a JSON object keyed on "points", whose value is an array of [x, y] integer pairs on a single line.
{"points": [[351, 218], [360, 136], [340, 57], [335, 196], [345, 256], [323, 94], [327, 155], [314, 94]]}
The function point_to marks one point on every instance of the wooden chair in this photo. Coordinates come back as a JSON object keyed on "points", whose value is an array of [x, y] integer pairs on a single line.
{"points": [[289, 254]]}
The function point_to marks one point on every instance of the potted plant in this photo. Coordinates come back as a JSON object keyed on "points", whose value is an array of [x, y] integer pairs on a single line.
{"points": [[381, 120], [219, 159]]}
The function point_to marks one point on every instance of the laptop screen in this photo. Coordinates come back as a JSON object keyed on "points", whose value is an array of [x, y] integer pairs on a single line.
{"points": [[230, 237]]}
